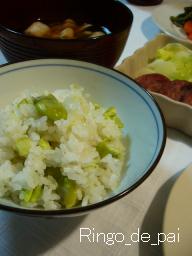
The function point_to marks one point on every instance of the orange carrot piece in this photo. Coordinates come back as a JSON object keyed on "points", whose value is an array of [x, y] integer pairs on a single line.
{"points": [[188, 27]]}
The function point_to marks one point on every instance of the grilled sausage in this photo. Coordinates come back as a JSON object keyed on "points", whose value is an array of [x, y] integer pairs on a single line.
{"points": [[179, 90]]}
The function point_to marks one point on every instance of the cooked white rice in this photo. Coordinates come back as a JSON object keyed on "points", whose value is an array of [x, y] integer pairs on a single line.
{"points": [[73, 150]]}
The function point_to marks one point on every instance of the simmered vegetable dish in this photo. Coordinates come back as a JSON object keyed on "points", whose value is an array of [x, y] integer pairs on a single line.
{"points": [[184, 21], [68, 29]]}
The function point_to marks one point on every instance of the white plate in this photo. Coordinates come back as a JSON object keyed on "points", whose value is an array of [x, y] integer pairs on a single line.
{"points": [[161, 16], [178, 214]]}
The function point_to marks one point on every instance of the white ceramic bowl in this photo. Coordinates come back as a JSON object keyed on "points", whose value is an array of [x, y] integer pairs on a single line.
{"points": [[138, 110]]}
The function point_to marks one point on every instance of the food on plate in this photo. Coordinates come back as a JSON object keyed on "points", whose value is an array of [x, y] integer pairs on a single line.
{"points": [[188, 28], [67, 29], [154, 82], [178, 90], [59, 150], [173, 60], [184, 21]]}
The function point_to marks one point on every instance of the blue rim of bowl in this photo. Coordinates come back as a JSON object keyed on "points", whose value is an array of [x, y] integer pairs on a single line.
{"points": [[85, 209]]}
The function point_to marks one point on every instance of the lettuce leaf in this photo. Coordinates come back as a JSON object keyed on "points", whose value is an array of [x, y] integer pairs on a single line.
{"points": [[174, 61]]}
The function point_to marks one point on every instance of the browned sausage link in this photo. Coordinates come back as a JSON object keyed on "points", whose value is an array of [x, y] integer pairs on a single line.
{"points": [[153, 82], [188, 98], [179, 90], [174, 90], [187, 94]]}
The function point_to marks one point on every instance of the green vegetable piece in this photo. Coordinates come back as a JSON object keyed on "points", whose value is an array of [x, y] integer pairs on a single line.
{"points": [[118, 122], [55, 173], [25, 101], [92, 165], [32, 195], [36, 194], [174, 61], [97, 106], [44, 144], [171, 50], [111, 113], [69, 189], [23, 146], [104, 149], [26, 195], [181, 18], [49, 106]]}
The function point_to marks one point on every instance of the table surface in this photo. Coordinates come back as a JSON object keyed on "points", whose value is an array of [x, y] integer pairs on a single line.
{"points": [[140, 212]]}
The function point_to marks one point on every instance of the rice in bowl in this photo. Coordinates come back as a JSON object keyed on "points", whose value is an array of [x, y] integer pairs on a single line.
{"points": [[59, 150]]}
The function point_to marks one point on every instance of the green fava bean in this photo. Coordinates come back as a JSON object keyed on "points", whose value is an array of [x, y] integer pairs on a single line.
{"points": [[37, 192], [111, 113], [69, 189], [32, 195], [44, 144], [26, 195], [49, 106], [104, 149], [23, 146]]}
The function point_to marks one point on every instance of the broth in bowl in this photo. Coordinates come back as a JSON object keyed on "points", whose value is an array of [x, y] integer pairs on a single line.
{"points": [[67, 29]]}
